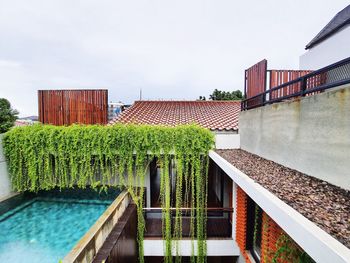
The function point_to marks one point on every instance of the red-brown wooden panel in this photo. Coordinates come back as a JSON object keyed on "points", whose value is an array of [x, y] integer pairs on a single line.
{"points": [[65, 107], [255, 82], [279, 77], [256, 79]]}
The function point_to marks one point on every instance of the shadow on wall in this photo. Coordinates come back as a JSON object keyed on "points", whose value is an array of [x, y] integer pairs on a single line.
{"points": [[310, 135]]}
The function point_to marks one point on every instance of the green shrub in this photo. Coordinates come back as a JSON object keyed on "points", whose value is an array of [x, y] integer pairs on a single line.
{"points": [[44, 157]]}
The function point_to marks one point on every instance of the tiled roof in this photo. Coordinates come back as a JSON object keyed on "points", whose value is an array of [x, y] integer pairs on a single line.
{"points": [[214, 115], [326, 205]]}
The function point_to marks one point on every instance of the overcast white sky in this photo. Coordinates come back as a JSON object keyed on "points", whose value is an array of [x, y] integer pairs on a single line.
{"points": [[177, 49]]}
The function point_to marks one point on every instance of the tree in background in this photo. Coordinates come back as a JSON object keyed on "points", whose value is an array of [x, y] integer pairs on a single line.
{"points": [[8, 116], [224, 95]]}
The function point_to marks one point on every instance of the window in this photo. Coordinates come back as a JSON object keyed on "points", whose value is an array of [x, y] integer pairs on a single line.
{"points": [[254, 229], [257, 232]]}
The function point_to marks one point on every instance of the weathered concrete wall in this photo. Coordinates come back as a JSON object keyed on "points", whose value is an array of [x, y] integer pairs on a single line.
{"points": [[5, 185], [311, 135]]}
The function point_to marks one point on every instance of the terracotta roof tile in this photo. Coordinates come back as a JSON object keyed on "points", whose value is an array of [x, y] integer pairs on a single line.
{"points": [[214, 115]]}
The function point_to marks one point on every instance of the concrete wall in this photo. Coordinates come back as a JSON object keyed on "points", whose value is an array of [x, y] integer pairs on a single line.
{"points": [[227, 140], [311, 135], [327, 52], [5, 185]]}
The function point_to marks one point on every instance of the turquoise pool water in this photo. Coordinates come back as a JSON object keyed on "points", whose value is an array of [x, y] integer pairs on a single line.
{"points": [[44, 229]]}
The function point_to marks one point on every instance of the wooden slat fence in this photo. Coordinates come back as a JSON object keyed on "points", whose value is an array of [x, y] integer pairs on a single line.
{"points": [[279, 77], [66, 107], [255, 81], [289, 84]]}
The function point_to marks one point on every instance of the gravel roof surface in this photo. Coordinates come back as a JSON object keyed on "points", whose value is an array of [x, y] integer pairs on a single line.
{"points": [[326, 205]]}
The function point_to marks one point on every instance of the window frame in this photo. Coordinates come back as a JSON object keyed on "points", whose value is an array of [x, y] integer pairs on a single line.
{"points": [[253, 210]]}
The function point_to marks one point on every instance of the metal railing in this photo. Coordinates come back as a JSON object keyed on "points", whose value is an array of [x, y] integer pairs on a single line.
{"points": [[334, 75], [218, 221]]}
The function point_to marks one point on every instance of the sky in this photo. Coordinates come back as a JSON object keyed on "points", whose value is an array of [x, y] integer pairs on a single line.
{"points": [[179, 49]]}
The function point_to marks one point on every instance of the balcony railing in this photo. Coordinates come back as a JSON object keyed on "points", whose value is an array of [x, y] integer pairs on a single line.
{"points": [[218, 222], [325, 78]]}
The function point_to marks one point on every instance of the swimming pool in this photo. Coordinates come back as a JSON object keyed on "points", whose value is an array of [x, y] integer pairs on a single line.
{"points": [[45, 227]]}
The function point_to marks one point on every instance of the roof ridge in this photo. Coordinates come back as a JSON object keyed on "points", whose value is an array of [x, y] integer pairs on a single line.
{"points": [[341, 19], [214, 115], [197, 101]]}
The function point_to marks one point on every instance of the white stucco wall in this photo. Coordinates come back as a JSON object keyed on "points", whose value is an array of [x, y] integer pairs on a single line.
{"points": [[5, 185], [227, 140], [311, 135], [215, 247], [329, 51]]}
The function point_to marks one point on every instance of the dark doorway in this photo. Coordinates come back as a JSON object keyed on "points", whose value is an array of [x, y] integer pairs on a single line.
{"points": [[155, 174], [155, 183]]}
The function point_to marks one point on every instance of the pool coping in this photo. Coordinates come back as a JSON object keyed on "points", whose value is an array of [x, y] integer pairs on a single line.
{"points": [[87, 247], [10, 202], [10, 195]]}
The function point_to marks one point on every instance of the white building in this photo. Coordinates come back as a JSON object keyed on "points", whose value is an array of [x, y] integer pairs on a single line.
{"points": [[330, 45], [114, 109]]}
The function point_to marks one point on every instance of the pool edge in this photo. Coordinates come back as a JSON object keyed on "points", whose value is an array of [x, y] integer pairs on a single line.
{"points": [[10, 195], [88, 246]]}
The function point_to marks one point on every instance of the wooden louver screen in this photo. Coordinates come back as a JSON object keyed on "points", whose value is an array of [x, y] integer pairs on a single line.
{"points": [[66, 107]]}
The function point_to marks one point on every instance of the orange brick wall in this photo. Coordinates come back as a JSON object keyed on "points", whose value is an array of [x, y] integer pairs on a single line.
{"points": [[241, 222], [270, 234]]}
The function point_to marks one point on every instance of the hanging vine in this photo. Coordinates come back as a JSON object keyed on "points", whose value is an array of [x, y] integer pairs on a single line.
{"points": [[43, 157], [288, 251]]}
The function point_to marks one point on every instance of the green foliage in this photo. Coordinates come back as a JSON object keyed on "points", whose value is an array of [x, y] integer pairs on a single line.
{"points": [[289, 251], [226, 95], [256, 223], [44, 157], [8, 116]]}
